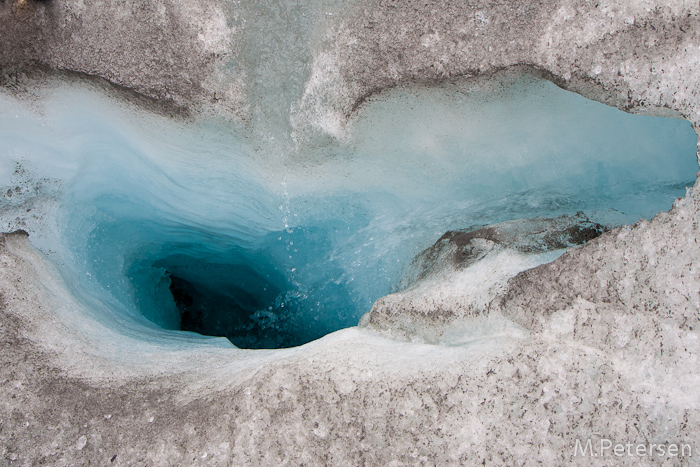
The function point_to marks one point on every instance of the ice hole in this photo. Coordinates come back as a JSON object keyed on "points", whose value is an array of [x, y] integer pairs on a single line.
{"points": [[196, 226]]}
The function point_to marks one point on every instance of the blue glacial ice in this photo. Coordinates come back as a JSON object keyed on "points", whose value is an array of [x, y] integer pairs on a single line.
{"points": [[203, 225]]}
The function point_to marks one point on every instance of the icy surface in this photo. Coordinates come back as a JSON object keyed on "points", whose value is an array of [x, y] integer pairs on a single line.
{"points": [[601, 342], [299, 238]]}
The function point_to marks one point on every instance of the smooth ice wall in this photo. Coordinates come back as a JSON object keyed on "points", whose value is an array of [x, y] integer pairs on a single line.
{"points": [[315, 231]]}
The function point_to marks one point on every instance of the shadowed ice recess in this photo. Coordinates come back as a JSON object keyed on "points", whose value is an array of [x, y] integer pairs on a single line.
{"points": [[194, 225]]}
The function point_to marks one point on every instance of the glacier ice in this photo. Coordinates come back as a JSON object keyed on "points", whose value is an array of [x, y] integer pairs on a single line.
{"points": [[279, 239]]}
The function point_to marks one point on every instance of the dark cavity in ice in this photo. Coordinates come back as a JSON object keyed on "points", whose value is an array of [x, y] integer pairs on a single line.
{"points": [[187, 227]]}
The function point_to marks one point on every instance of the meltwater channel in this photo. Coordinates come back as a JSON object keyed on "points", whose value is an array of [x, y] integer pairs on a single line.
{"points": [[192, 225]]}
